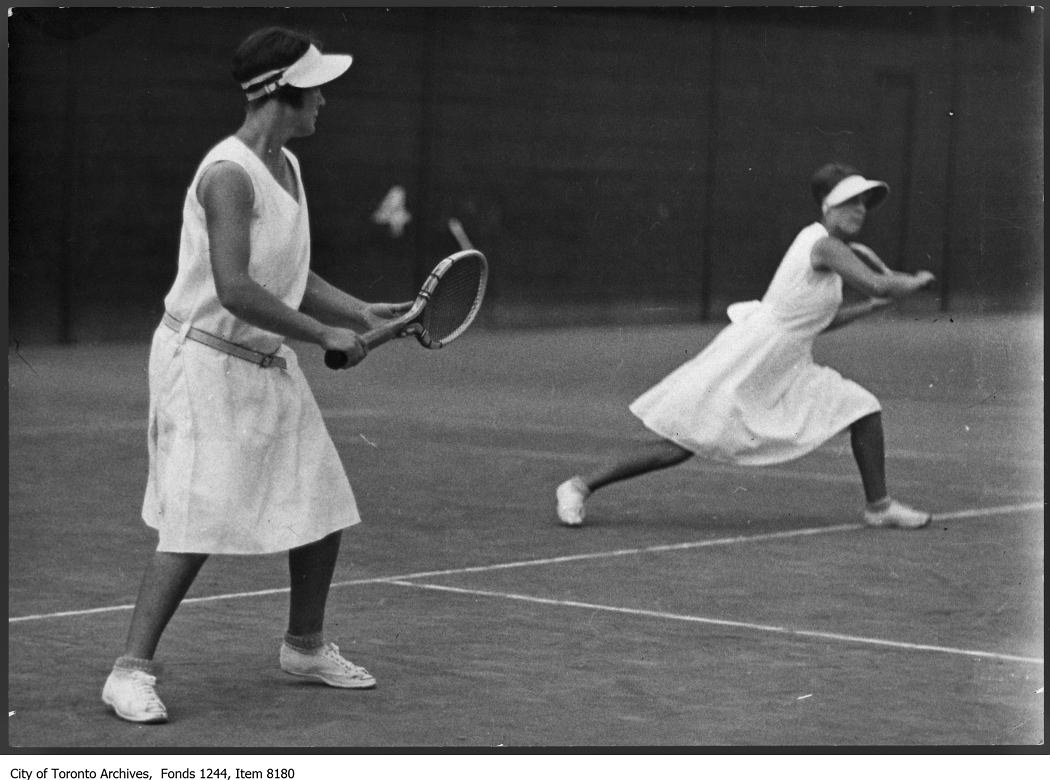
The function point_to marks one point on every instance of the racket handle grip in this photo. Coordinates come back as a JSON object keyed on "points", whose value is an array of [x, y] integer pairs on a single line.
{"points": [[382, 334], [334, 358]]}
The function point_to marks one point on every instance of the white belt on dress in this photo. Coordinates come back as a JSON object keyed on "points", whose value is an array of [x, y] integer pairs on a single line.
{"points": [[221, 344]]}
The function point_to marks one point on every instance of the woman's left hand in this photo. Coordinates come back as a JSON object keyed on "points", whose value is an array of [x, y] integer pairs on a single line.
{"points": [[377, 314]]}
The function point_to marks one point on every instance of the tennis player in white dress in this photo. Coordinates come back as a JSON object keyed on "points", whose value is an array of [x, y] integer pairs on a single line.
{"points": [[240, 461], [754, 396]]}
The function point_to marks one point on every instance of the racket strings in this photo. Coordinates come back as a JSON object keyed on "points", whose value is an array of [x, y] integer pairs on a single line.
{"points": [[454, 299]]}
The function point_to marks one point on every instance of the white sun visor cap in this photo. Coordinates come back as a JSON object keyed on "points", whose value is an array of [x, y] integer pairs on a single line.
{"points": [[854, 185], [311, 70]]}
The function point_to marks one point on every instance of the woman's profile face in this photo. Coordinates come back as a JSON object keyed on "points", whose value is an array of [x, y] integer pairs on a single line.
{"points": [[312, 102], [846, 219]]}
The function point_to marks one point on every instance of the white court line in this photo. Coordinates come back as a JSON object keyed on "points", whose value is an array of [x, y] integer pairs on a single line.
{"points": [[627, 551], [400, 578], [468, 569], [965, 513], [796, 632]]}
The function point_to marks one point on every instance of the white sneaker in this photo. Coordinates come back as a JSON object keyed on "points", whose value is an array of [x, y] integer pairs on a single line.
{"points": [[132, 695], [896, 515], [571, 494], [327, 665]]}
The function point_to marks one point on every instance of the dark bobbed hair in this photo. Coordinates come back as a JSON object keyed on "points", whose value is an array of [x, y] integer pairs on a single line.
{"points": [[269, 49], [827, 176]]}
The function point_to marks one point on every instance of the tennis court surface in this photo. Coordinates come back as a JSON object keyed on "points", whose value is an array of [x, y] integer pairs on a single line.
{"points": [[705, 605]]}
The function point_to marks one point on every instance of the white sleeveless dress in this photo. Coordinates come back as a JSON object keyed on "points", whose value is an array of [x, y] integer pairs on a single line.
{"points": [[240, 461], [754, 396]]}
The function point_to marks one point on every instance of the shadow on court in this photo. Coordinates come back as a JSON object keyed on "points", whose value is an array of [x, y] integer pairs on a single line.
{"points": [[706, 605]]}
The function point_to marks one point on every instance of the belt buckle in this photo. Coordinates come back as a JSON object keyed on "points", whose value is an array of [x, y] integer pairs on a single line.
{"points": [[266, 361]]}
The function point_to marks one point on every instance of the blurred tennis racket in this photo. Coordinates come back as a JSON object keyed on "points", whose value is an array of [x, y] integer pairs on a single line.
{"points": [[455, 227], [874, 262], [447, 303], [868, 257]]}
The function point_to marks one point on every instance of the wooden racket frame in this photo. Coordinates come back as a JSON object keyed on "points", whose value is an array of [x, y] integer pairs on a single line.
{"points": [[408, 323]]}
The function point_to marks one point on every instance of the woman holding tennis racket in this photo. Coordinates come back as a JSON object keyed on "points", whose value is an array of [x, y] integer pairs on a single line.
{"points": [[754, 395], [240, 460]]}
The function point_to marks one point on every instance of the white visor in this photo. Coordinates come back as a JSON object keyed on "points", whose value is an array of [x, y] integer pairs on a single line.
{"points": [[311, 70], [854, 185]]}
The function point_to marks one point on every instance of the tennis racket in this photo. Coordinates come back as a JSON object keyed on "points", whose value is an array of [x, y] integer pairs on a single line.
{"points": [[868, 257], [455, 227], [447, 303], [874, 262]]}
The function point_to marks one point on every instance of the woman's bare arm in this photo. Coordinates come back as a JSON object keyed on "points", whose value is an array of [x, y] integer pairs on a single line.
{"points": [[225, 191], [831, 254]]}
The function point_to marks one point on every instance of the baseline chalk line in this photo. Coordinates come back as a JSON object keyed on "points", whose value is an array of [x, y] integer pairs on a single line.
{"points": [[794, 632], [401, 578]]}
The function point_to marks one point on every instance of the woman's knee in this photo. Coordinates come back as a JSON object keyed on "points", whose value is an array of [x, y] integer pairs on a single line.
{"points": [[868, 422], [672, 453]]}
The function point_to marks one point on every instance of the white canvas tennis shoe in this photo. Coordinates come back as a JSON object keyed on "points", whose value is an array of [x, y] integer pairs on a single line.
{"points": [[327, 665], [133, 696], [571, 494], [894, 514]]}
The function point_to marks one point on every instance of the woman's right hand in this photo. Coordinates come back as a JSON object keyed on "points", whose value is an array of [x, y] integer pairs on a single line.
{"points": [[924, 278], [345, 341]]}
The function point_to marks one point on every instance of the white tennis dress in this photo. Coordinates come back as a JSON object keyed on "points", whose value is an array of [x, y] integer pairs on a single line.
{"points": [[754, 396], [240, 460]]}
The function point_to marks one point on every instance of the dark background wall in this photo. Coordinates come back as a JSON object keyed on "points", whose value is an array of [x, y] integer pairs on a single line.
{"points": [[614, 164]]}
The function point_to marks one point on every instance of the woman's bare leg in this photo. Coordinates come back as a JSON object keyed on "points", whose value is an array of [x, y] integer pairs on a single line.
{"points": [[164, 584], [310, 568], [130, 688], [651, 456], [869, 449], [305, 651]]}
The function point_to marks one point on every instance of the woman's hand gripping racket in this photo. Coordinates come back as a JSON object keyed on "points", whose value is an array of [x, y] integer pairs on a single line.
{"points": [[446, 305]]}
